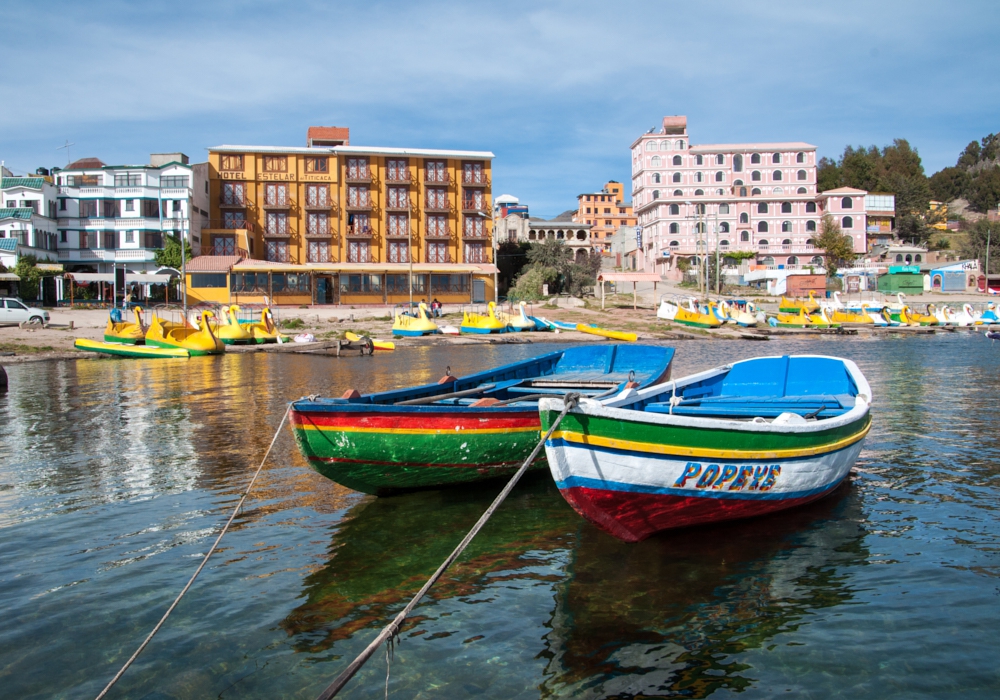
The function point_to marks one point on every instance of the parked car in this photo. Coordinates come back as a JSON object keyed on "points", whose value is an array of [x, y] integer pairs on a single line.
{"points": [[15, 311]]}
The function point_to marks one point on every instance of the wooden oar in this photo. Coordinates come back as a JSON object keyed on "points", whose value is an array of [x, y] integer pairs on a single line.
{"points": [[441, 397]]}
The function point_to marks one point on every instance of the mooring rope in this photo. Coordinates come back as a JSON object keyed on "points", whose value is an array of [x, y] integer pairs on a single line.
{"points": [[203, 561], [391, 630]]}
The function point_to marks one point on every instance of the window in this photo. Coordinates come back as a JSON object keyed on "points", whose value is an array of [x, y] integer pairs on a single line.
{"points": [[475, 252], [62, 237], [437, 253], [317, 224], [755, 191], [699, 160], [651, 145], [665, 146], [436, 172], [361, 284], [677, 177], [399, 225], [698, 177], [654, 162], [678, 193], [677, 160], [786, 207], [175, 206], [846, 203], [810, 226], [720, 176], [847, 222], [225, 245], [744, 236], [656, 194], [276, 195], [801, 175], [233, 193], [737, 163], [680, 145], [776, 176], [317, 195], [317, 165], [762, 207], [130, 236], [233, 219], [700, 227], [786, 227], [474, 227], [656, 179], [809, 241], [917, 258], [400, 284], [762, 228], [276, 251], [62, 205], [130, 205], [723, 208], [699, 193], [174, 181], [153, 240], [776, 158], [744, 218], [208, 280], [275, 164], [801, 190], [318, 252], [786, 241], [720, 159], [88, 208], [399, 198], [724, 227], [357, 169], [810, 207], [449, 283], [231, 162], [755, 176], [399, 251], [675, 244], [800, 157], [675, 210], [792, 260], [607, 210], [131, 180], [755, 159], [289, 283], [675, 228], [276, 224]]}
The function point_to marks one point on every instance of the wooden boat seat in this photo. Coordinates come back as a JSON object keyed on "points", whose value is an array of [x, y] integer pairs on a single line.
{"points": [[821, 406], [787, 376]]}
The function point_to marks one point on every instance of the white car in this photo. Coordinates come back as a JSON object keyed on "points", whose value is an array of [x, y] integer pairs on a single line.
{"points": [[14, 311]]}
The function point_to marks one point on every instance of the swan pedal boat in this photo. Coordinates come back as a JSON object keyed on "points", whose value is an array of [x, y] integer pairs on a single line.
{"points": [[740, 440], [265, 330], [405, 324], [459, 430], [129, 349], [517, 322], [479, 323], [125, 332], [232, 332], [197, 341], [793, 306], [377, 344], [673, 311]]}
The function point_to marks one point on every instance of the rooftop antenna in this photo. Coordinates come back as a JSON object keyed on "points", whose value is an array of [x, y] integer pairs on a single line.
{"points": [[66, 146]]}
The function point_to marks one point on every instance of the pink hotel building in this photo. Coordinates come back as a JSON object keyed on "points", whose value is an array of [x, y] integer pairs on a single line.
{"points": [[758, 197]]}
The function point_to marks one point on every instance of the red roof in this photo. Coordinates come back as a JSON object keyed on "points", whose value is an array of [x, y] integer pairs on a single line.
{"points": [[212, 263], [85, 164], [629, 277], [328, 133]]}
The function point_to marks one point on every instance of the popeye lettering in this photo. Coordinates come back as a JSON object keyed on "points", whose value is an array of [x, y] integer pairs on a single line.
{"points": [[729, 477]]}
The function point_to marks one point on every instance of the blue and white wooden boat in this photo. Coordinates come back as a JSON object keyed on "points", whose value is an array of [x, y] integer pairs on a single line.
{"points": [[736, 441], [459, 430]]}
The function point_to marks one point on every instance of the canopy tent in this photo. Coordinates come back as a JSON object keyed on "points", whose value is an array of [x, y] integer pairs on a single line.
{"points": [[9, 277], [632, 277]]}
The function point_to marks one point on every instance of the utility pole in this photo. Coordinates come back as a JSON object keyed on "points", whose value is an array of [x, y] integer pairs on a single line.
{"points": [[66, 146], [718, 270]]}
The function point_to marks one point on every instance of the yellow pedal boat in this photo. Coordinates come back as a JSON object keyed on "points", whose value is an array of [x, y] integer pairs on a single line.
{"points": [[197, 341], [842, 316], [125, 332], [378, 344], [605, 333], [264, 330], [793, 306], [804, 320], [129, 349], [516, 322], [479, 323], [408, 324], [690, 316], [232, 332]]}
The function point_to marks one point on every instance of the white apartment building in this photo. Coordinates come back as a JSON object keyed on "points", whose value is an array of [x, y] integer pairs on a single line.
{"points": [[112, 215], [27, 220], [759, 197]]}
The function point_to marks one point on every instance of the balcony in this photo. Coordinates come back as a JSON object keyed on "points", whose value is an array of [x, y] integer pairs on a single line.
{"points": [[440, 258], [286, 231], [400, 205], [326, 205], [107, 255], [474, 206], [438, 207], [368, 256], [438, 234], [321, 232], [475, 235], [399, 177], [241, 224], [229, 201], [359, 204], [278, 203], [475, 179], [359, 231], [359, 177], [436, 178], [398, 234]]}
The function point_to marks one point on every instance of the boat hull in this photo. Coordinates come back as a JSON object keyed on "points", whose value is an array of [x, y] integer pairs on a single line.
{"points": [[129, 349], [633, 479], [386, 450], [126, 339]]}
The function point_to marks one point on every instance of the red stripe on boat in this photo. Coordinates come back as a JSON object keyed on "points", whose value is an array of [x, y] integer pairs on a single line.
{"points": [[459, 465], [633, 516], [418, 421]]}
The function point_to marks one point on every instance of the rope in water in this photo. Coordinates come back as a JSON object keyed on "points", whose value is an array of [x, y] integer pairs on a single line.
{"points": [[391, 630], [203, 561]]}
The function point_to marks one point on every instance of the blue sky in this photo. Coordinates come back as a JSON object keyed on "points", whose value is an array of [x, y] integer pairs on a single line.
{"points": [[557, 90]]}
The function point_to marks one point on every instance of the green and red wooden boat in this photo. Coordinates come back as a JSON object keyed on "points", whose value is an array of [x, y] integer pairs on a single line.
{"points": [[459, 430]]}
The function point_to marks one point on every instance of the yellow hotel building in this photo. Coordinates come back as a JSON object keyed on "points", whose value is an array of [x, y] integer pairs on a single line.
{"points": [[333, 223]]}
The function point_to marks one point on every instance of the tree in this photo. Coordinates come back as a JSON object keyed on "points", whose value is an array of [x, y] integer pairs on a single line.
{"points": [[550, 253], [827, 174], [949, 183], [512, 256], [27, 269], [528, 286], [170, 254], [976, 238], [983, 191], [839, 248]]}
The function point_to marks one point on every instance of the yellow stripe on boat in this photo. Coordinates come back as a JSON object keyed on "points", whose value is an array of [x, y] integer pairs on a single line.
{"points": [[616, 335], [412, 431], [379, 344], [708, 453]]}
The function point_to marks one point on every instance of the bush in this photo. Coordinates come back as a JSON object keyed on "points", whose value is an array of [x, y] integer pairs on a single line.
{"points": [[528, 286], [293, 324]]}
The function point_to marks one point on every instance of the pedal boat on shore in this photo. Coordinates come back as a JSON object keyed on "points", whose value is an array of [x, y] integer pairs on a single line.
{"points": [[197, 341], [459, 430], [740, 440], [406, 324], [473, 322], [125, 332], [265, 330], [229, 329], [690, 316], [129, 349], [793, 306]]}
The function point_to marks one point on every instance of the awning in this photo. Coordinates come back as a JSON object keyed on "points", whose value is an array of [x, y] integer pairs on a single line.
{"points": [[9, 277], [50, 267], [92, 277], [629, 277], [148, 278]]}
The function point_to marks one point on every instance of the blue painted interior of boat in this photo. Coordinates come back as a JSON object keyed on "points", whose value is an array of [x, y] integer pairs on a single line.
{"points": [[820, 387], [571, 369]]}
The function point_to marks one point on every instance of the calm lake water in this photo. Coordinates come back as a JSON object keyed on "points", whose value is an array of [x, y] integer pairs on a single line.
{"points": [[116, 475]]}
